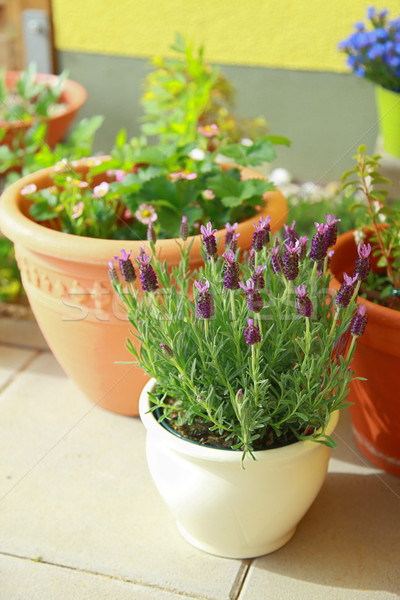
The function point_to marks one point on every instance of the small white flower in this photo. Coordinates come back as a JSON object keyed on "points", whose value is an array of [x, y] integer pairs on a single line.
{"points": [[29, 189], [359, 236], [246, 142], [101, 190], [377, 207], [61, 166], [280, 177], [197, 154]]}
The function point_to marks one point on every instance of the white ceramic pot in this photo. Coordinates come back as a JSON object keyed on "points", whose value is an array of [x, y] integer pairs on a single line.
{"points": [[224, 509]]}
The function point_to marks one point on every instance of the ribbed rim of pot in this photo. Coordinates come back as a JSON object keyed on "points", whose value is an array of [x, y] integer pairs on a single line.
{"points": [[284, 454], [76, 93], [376, 311], [16, 225]]}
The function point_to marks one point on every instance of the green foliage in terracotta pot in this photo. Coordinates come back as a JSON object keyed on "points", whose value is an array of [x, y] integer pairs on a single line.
{"points": [[378, 224], [259, 357], [185, 93]]}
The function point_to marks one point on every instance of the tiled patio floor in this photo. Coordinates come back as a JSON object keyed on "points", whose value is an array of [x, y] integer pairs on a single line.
{"points": [[81, 520]]}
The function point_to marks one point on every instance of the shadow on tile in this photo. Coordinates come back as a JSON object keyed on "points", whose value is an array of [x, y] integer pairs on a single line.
{"points": [[350, 538]]}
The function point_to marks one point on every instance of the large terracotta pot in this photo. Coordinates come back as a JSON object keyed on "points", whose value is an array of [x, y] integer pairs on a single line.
{"points": [[376, 410], [73, 94], [223, 507], [66, 280]]}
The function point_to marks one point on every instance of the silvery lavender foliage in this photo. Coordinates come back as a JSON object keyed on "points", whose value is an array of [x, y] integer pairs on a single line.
{"points": [[126, 267], [252, 363]]}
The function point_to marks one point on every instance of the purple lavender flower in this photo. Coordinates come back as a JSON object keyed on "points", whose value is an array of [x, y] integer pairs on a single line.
{"points": [[234, 242], [230, 232], [363, 262], [184, 230], [147, 275], [319, 246], [346, 290], [303, 241], [204, 301], [261, 234], [258, 278], [209, 241], [231, 271], [290, 233], [252, 333], [331, 232], [126, 267], [253, 296], [276, 259], [112, 272], [290, 260], [303, 303], [166, 350], [151, 234], [359, 321], [252, 258]]}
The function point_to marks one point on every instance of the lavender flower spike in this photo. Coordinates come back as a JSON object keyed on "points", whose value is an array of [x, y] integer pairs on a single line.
{"points": [[331, 232], [147, 275], [252, 333], [363, 262], [319, 244], [151, 234], [230, 232], [276, 259], [258, 278], [261, 234], [234, 242], [209, 241], [112, 272], [231, 271], [184, 230], [204, 301], [253, 296], [346, 290], [290, 233], [303, 303], [290, 260], [359, 321], [126, 267], [303, 241]]}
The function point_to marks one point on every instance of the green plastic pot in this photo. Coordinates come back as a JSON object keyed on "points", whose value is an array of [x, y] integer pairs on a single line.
{"points": [[388, 107]]}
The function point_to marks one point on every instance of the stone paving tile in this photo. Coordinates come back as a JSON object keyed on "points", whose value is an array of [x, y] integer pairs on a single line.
{"points": [[21, 332], [347, 546], [11, 359], [22, 579], [75, 491]]}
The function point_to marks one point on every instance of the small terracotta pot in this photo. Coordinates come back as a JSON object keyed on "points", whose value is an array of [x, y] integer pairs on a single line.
{"points": [[67, 284], [376, 410], [73, 94]]}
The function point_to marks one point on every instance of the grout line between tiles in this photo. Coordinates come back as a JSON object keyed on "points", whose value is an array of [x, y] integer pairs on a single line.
{"points": [[104, 575], [18, 371], [240, 579]]}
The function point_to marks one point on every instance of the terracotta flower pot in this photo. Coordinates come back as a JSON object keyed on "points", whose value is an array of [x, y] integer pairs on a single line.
{"points": [[73, 95], [376, 410], [67, 283]]}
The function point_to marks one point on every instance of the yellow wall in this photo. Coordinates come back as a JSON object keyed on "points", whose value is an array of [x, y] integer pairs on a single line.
{"points": [[292, 34]]}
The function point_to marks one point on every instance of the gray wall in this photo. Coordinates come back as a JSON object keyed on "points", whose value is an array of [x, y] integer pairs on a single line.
{"points": [[326, 115]]}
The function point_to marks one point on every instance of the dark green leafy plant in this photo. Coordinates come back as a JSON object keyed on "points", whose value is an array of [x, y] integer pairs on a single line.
{"points": [[258, 357], [10, 281], [144, 184]]}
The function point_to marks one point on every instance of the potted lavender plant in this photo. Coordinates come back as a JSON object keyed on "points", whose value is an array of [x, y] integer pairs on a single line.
{"points": [[250, 365]]}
